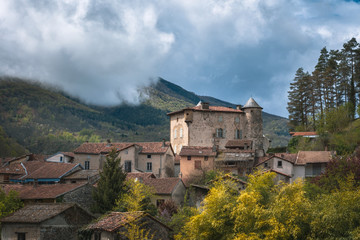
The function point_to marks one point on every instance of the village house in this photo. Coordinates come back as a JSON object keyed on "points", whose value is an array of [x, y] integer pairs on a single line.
{"points": [[82, 176], [303, 164], [44, 221], [153, 157], [195, 161], [36, 171], [164, 188], [116, 225], [80, 193]]}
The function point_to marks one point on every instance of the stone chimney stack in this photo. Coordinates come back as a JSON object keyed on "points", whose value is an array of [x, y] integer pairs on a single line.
{"points": [[204, 105]]}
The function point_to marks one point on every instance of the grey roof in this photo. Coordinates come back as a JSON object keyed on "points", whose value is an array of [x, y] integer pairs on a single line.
{"points": [[251, 103]]}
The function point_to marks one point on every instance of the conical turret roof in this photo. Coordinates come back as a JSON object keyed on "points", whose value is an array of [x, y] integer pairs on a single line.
{"points": [[251, 103]]}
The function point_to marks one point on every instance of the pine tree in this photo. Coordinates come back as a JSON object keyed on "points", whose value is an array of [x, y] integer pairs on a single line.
{"points": [[111, 185]]}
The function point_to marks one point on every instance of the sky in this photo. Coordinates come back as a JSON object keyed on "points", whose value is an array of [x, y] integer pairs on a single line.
{"points": [[104, 51]]}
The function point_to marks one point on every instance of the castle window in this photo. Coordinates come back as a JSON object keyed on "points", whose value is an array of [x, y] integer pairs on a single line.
{"points": [[279, 164], [220, 118], [175, 133], [188, 157], [87, 165], [181, 132], [219, 133], [149, 156], [175, 149], [198, 165], [149, 166], [206, 158], [238, 134]]}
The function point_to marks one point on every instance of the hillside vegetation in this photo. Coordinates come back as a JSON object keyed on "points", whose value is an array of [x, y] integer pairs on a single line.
{"points": [[40, 119]]}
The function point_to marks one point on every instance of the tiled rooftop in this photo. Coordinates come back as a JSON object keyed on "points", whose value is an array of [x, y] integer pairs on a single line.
{"points": [[305, 157], [41, 170], [98, 148], [36, 213], [40, 191], [238, 143], [162, 185], [83, 174], [196, 151], [294, 134]]}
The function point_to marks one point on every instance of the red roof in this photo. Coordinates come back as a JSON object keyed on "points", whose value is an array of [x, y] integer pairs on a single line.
{"points": [[294, 134], [42, 191], [14, 168], [113, 221], [211, 109], [36, 213], [238, 143], [305, 157], [162, 185], [290, 157], [98, 148], [196, 151], [38, 170]]}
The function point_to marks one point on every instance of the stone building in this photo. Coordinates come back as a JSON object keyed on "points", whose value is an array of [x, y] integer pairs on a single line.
{"points": [[234, 136], [208, 126], [44, 221]]}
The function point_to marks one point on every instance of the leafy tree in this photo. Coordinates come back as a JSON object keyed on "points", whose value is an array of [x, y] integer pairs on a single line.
{"points": [[111, 185], [137, 198], [9, 203]]}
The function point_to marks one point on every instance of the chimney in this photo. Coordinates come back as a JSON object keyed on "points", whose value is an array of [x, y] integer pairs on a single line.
{"points": [[204, 105], [163, 143], [238, 107]]}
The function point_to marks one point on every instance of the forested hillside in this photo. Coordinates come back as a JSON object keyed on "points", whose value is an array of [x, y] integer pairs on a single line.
{"points": [[40, 119]]}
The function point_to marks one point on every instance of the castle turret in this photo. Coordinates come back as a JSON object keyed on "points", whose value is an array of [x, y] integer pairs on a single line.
{"points": [[254, 125]]}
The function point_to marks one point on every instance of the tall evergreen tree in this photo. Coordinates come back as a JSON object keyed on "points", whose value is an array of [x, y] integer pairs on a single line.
{"points": [[349, 50], [111, 185]]}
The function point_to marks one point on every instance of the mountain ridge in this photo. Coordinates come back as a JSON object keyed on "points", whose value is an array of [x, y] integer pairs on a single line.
{"points": [[46, 120]]}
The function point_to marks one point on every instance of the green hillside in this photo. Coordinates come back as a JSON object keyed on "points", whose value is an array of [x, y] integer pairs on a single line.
{"points": [[45, 120]]}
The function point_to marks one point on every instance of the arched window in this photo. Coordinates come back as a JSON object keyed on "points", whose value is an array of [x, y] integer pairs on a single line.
{"points": [[181, 132], [175, 133]]}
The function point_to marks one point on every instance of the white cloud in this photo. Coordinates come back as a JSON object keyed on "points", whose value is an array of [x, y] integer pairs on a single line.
{"points": [[102, 50]]}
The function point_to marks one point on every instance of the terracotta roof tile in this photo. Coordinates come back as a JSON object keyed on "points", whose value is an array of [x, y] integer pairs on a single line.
{"points": [[42, 191], [196, 151], [290, 157], [98, 148], [237, 143], [83, 174], [211, 109], [294, 134], [162, 185], [114, 220], [305, 157], [14, 168], [153, 147], [47, 169], [36, 213]]}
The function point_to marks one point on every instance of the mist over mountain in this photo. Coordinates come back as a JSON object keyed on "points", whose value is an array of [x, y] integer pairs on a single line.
{"points": [[44, 120]]}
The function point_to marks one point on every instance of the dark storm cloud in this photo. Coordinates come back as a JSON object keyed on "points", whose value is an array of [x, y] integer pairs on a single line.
{"points": [[102, 51]]}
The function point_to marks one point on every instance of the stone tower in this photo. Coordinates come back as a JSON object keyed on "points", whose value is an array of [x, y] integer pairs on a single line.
{"points": [[254, 125]]}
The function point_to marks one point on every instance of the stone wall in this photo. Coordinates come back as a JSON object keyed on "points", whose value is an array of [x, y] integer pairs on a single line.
{"points": [[82, 196]]}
